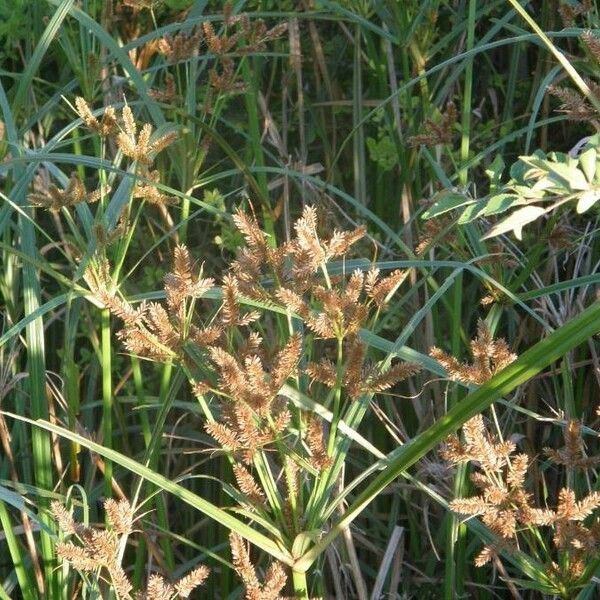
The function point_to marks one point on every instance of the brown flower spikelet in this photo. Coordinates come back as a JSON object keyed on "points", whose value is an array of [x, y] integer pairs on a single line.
{"points": [[186, 585], [489, 357], [247, 484], [275, 578]]}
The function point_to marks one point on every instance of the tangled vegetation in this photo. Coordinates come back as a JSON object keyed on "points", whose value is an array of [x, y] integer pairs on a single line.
{"points": [[299, 299]]}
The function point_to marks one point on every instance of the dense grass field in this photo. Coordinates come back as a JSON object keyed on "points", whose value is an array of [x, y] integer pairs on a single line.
{"points": [[298, 299]]}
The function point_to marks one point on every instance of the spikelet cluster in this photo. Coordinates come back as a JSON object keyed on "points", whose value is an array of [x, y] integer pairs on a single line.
{"points": [[359, 377], [107, 124], [239, 36], [147, 190], [430, 230], [507, 508], [151, 330], [575, 106], [489, 357], [274, 579], [572, 103], [181, 46], [569, 11], [140, 147], [96, 551], [572, 454], [242, 376], [168, 94], [53, 198], [437, 133], [137, 146]]}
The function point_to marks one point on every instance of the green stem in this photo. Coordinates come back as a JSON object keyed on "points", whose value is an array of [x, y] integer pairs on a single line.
{"points": [[160, 500], [106, 398], [337, 400], [300, 584], [251, 100], [467, 95]]}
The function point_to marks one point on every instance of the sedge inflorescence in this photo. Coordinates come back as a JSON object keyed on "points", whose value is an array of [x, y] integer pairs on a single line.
{"points": [[500, 477], [93, 550], [242, 373]]}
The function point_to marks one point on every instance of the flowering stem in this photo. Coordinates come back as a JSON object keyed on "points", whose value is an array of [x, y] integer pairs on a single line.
{"points": [[337, 400], [106, 397]]}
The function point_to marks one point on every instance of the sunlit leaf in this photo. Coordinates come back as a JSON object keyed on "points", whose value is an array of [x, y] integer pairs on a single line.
{"points": [[516, 221]]}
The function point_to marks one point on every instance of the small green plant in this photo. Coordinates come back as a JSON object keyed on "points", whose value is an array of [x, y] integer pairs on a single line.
{"points": [[539, 185]]}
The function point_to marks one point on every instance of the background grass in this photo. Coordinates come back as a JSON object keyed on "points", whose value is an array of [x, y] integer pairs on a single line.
{"points": [[325, 117]]}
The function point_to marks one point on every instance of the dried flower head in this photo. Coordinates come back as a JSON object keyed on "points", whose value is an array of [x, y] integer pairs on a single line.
{"points": [[478, 445], [507, 508], [140, 147], [224, 79], [489, 357], [319, 458], [107, 124], [248, 486], [182, 46], [186, 585], [219, 45], [150, 192], [569, 11], [63, 517], [274, 580], [573, 104], [168, 94], [75, 193], [158, 588], [97, 551], [151, 330], [572, 454], [435, 133], [120, 515], [592, 43]]}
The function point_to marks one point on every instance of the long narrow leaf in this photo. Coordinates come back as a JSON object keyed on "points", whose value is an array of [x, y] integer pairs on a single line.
{"points": [[204, 506]]}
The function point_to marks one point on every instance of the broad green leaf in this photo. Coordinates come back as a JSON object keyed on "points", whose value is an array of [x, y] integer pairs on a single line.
{"points": [[571, 176], [549, 184], [587, 200], [587, 161], [528, 192], [516, 221], [501, 203], [471, 212], [494, 172], [445, 201]]}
